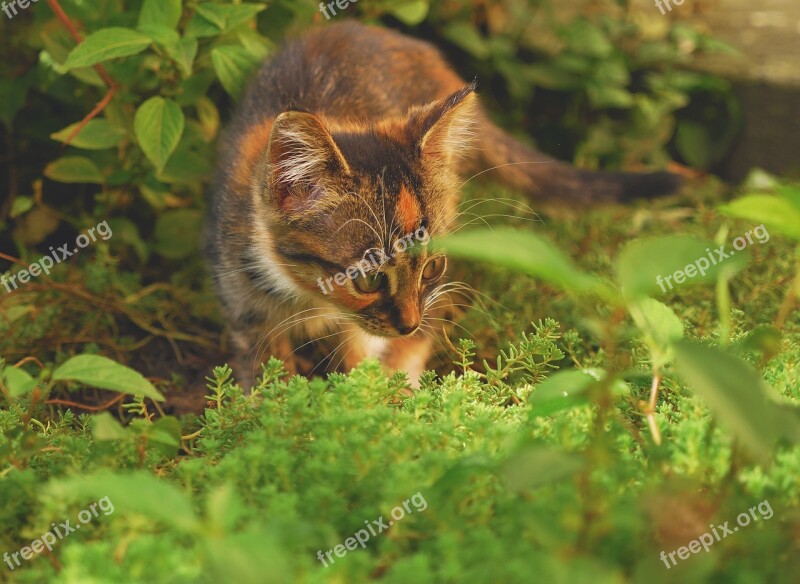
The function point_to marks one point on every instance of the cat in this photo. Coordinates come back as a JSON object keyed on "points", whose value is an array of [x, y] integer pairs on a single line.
{"points": [[347, 140]]}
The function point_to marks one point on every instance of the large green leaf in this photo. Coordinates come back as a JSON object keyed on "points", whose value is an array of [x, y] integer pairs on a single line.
{"points": [[534, 466], [17, 380], [648, 267], [106, 44], [137, 492], [159, 126], [73, 169], [160, 12], [99, 371], [778, 213], [105, 427], [233, 66], [524, 252], [743, 402], [569, 388], [98, 134]]}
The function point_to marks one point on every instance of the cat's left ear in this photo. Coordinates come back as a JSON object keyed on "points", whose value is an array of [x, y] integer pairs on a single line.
{"points": [[443, 130]]}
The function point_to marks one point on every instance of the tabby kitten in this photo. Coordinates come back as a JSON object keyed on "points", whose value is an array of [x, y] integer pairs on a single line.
{"points": [[348, 140]]}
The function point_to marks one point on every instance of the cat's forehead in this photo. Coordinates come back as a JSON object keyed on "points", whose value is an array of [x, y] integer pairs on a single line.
{"points": [[377, 158], [363, 226]]}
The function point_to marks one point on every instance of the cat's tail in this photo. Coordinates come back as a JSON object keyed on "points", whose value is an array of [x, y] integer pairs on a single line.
{"points": [[500, 157]]}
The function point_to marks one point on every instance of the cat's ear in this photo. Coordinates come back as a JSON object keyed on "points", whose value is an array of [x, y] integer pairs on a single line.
{"points": [[443, 130], [302, 157]]}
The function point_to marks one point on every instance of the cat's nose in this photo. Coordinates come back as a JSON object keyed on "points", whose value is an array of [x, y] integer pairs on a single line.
{"points": [[406, 329]]}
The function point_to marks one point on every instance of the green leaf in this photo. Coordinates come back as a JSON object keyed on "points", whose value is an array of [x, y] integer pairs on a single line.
{"points": [[248, 557], [233, 66], [777, 213], [98, 134], [648, 267], [693, 141], [660, 328], [225, 16], [535, 466], [158, 125], [127, 233], [74, 169], [177, 233], [161, 35], [587, 39], [18, 381], [602, 96], [524, 252], [137, 492], [160, 12], [106, 44], [551, 76], [20, 206], [224, 508], [569, 389], [411, 12], [743, 402], [106, 427], [199, 27], [184, 55], [104, 373], [186, 167], [167, 431]]}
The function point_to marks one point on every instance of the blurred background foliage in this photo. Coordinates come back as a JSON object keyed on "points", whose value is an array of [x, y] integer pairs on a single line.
{"points": [[599, 83], [574, 491]]}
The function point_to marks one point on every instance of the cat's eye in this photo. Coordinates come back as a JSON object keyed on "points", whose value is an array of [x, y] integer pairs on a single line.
{"points": [[369, 283], [434, 269]]}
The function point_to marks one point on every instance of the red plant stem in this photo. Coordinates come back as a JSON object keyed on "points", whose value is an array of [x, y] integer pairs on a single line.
{"points": [[112, 86]]}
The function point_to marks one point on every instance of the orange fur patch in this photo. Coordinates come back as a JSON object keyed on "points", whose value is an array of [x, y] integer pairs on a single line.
{"points": [[251, 146], [408, 211]]}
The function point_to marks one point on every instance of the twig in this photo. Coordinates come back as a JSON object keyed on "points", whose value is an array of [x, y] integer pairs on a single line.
{"points": [[651, 410], [105, 406], [112, 86]]}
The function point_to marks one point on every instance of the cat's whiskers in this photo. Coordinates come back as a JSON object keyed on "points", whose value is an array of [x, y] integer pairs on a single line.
{"points": [[337, 319], [503, 166], [371, 228], [236, 271], [382, 187], [329, 357], [294, 321], [381, 239]]}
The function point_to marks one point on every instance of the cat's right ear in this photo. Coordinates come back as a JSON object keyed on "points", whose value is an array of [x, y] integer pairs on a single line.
{"points": [[301, 155]]}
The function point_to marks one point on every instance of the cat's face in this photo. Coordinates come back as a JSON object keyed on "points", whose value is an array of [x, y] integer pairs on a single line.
{"points": [[352, 210]]}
